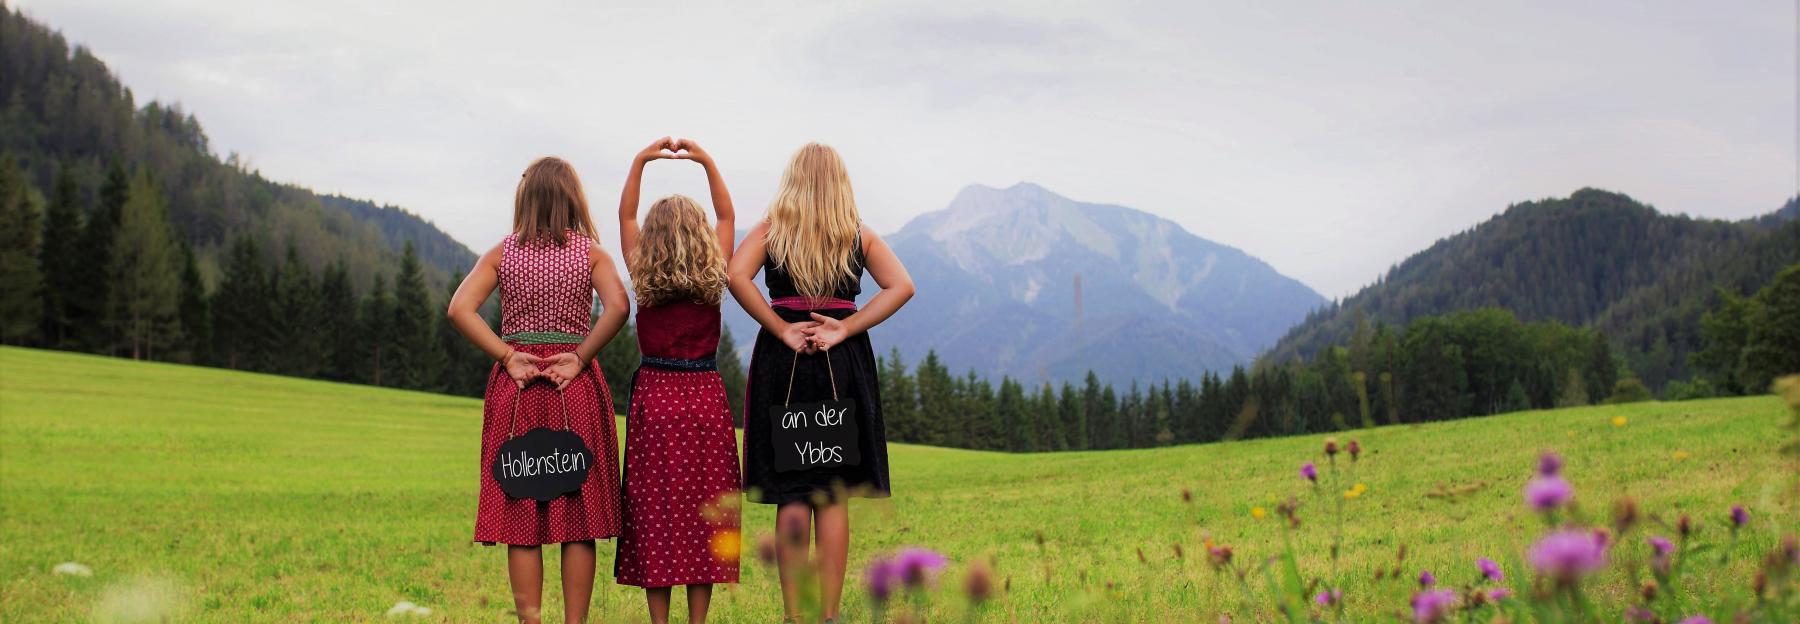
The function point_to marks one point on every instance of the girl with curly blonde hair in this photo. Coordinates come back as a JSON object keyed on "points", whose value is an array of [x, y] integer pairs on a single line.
{"points": [[679, 502]]}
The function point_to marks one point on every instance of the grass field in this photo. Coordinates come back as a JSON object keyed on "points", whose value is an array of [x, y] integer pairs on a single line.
{"points": [[221, 496]]}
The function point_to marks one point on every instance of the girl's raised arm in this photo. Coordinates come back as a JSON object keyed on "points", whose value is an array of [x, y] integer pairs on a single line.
{"points": [[896, 288], [628, 198], [464, 313], [725, 226]]}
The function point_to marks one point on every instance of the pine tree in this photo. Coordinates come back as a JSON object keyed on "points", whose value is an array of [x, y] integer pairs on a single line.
{"points": [[144, 306], [87, 307], [296, 319], [1010, 408], [466, 367], [375, 323], [240, 308], [619, 360], [411, 336], [196, 317], [1073, 410], [1047, 414], [937, 401], [1574, 391], [61, 258], [337, 322], [1516, 399], [899, 402], [21, 280], [734, 377]]}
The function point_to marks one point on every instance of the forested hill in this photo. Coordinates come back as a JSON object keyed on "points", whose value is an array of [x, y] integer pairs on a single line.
{"points": [[1594, 258], [64, 110]]}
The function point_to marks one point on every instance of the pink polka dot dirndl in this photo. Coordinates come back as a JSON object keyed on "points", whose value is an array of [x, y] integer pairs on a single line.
{"points": [[546, 295], [681, 501]]}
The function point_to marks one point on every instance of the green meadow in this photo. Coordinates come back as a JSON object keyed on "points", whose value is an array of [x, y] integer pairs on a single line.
{"points": [[207, 495]]}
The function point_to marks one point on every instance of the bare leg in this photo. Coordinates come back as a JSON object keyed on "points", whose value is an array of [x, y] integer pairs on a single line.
{"points": [[793, 531], [699, 598], [833, 527], [658, 600], [525, 568], [577, 580]]}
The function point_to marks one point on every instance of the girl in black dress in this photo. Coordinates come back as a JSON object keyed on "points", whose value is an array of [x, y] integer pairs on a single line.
{"points": [[813, 250]]}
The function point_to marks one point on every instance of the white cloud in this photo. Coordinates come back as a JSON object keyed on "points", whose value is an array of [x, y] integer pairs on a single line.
{"points": [[1329, 139]]}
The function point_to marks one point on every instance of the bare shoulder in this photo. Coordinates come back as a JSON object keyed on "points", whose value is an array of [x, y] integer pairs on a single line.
{"points": [[597, 254], [493, 255], [870, 240]]}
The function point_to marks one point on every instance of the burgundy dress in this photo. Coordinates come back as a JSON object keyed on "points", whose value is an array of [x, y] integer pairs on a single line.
{"points": [[681, 464], [546, 304]]}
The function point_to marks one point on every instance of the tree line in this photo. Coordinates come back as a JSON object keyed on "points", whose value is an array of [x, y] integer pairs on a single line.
{"points": [[1463, 364], [115, 279], [121, 282]]}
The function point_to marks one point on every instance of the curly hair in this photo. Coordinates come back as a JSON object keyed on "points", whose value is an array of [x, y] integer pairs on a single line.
{"points": [[677, 257]]}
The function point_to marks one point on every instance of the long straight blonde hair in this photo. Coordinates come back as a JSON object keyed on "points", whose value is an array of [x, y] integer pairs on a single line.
{"points": [[813, 225], [549, 203], [677, 256]]}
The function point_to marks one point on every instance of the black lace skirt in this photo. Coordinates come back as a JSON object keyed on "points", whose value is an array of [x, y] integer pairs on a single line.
{"points": [[853, 365]]}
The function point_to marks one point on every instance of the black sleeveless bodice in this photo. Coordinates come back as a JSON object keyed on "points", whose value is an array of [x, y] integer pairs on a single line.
{"points": [[781, 285]]}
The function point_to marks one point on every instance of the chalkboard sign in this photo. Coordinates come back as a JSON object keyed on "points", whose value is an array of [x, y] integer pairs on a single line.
{"points": [[544, 463], [815, 435]]}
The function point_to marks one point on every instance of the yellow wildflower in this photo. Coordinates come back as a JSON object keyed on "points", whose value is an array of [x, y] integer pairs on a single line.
{"points": [[726, 544], [1258, 512], [1618, 421]]}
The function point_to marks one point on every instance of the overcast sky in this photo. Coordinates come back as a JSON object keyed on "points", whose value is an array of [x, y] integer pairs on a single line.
{"points": [[1331, 139]]}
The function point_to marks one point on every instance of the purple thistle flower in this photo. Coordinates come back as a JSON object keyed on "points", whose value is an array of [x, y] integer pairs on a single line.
{"points": [[1309, 472], [1739, 517], [1498, 594], [882, 577], [1432, 605], [1549, 464], [1661, 545], [918, 565], [1569, 554], [1328, 598], [1697, 619], [1547, 492], [1427, 579], [1490, 570]]}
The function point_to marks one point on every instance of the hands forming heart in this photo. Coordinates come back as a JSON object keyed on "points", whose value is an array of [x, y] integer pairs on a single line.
{"points": [[678, 149]]}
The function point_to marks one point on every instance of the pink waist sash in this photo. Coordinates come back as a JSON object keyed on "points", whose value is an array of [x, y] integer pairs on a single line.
{"points": [[804, 303]]}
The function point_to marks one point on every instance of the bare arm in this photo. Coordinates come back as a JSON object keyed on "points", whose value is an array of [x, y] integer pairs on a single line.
{"points": [[464, 313], [615, 307], [725, 226], [896, 288], [740, 274], [628, 198]]}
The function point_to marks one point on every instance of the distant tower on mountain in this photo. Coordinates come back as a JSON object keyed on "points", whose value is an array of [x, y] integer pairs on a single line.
{"points": [[1078, 299]]}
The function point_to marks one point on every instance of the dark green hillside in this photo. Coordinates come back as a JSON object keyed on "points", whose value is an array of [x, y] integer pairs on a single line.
{"points": [[1594, 258], [61, 108]]}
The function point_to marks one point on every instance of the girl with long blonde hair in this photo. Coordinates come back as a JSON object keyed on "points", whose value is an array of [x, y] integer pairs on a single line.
{"points": [[812, 250], [681, 472]]}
